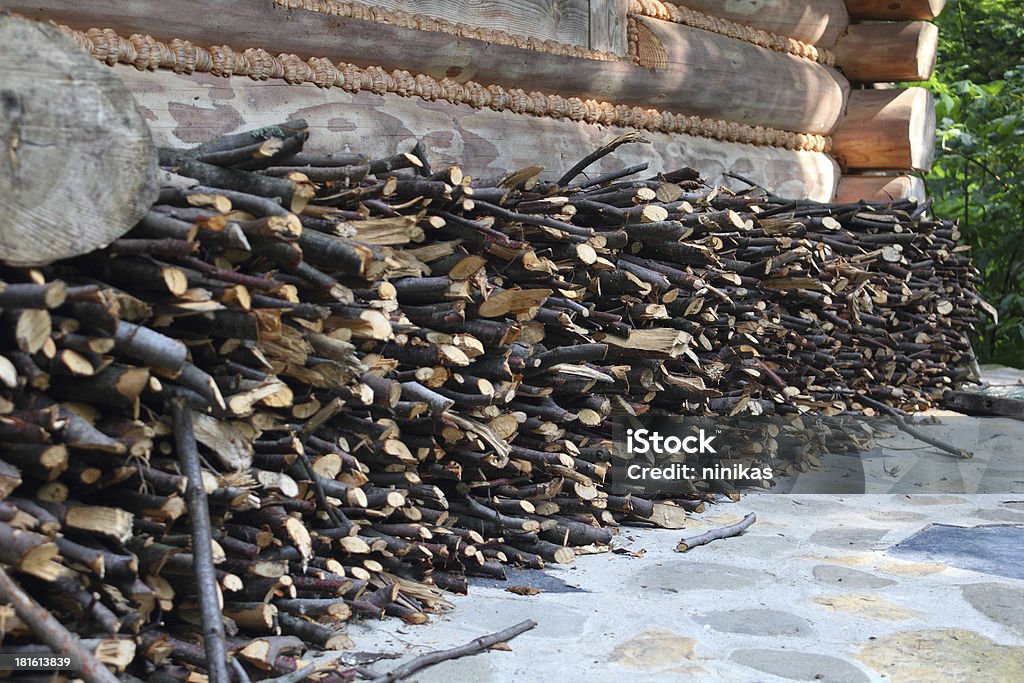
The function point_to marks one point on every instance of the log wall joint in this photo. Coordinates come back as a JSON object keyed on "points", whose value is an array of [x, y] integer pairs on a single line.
{"points": [[666, 11]]}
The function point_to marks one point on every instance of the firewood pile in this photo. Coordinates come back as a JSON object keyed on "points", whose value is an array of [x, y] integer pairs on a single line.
{"points": [[384, 377]]}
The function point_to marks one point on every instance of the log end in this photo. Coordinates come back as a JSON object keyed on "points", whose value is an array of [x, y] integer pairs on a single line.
{"points": [[887, 130], [78, 167], [853, 188]]}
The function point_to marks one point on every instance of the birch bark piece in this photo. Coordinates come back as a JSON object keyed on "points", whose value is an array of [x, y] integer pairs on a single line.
{"points": [[77, 164]]}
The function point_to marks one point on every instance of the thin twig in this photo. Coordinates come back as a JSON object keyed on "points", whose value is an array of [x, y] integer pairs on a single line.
{"points": [[716, 534], [51, 631], [318, 491], [214, 640], [914, 431], [473, 647], [609, 177], [299, 675], [597, 154], [742, 179]]}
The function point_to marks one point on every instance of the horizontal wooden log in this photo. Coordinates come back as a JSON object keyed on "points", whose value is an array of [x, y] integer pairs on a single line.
{"points": [[567, 21], [80, 169], [894, 10], [770, 79], [888, 51], [819, 23], [185, 109], [721, 78], [887, 130], [853, 188]]}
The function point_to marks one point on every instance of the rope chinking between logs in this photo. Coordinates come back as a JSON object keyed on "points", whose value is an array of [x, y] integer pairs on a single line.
{"points": [[421, 22], [648, 8], [666, 11], [181, 56]]}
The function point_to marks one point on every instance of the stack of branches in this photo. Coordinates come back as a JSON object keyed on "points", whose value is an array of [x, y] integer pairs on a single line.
{"points": [[394, 377]]}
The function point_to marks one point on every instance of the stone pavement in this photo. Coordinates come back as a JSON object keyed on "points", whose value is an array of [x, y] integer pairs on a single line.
{"points": [[812, 591]]}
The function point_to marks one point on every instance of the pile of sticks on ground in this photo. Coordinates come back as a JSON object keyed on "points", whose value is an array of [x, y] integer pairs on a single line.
{"points": [[382, 377]]}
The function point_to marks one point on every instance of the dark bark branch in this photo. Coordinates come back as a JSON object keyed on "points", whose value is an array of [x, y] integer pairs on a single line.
{"points": [[214, 639]]}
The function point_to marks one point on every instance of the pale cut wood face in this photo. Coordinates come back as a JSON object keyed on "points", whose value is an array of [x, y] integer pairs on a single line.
{"points": [[66, 119]]}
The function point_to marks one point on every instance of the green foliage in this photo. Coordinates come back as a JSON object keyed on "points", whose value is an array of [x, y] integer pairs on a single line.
{"points": [[980, 39], [978, 177]]}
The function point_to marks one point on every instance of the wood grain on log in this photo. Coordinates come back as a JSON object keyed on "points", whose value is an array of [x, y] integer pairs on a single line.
{"points": [[78, 168], [818, 23], [566, 21], [853, 188], [751, 66], [608, 26], [881, 51], [758, 101], [887, 130]]}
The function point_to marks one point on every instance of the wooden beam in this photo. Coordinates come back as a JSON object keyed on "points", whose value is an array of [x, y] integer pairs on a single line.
{"points": [[887, 130], [853, 188], [720, 78], [818, 22], [185, 110], [894, 10], [566, 21], [888, 51], [78, 168], [608, 25], [770, 79]]}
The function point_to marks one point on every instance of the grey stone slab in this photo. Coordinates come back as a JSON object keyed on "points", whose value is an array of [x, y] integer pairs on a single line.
{"points": [[765, 546], [757, 622], [999, 515], [931, 499], [849, 578], [896, 516], [536, 578], [673, 577], [992, 549], [999, 602], [848, 537], [800, 666], [555, 621]]}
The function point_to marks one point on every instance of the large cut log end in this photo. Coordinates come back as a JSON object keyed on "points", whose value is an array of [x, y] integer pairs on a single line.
{"points": [[887, 130], [853, 188], [880, 51], [78, 167]]}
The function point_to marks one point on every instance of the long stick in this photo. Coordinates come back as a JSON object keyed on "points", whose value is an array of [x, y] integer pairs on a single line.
{"points": [[715, 534], [202, 549], [51, 631], [473, 647], [914, 431]]}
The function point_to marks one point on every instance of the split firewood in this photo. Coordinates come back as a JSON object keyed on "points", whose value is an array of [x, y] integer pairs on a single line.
{"points": [[397, 378]]}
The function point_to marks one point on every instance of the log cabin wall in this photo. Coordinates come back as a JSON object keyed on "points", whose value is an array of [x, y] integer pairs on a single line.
{"points": [[759, 88]]}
